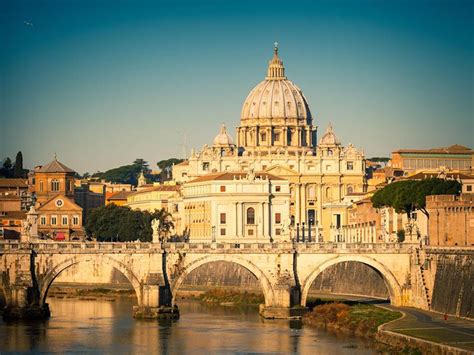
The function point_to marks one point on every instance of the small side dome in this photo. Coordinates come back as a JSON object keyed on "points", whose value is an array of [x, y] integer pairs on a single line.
{"points": [[329, 138], [223, 138]]}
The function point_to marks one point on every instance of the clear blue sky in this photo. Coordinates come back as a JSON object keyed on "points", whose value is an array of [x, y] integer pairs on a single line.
{"points": [[104, 82]]}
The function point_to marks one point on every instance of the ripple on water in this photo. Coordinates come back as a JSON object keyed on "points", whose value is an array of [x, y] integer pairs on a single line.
{"points": [[79, 326]]}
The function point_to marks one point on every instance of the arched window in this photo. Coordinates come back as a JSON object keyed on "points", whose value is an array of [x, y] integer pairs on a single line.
{"points": [[55, 185], [250, 215], [311, 192], [329, 152], [328, 192], [350, 189]]}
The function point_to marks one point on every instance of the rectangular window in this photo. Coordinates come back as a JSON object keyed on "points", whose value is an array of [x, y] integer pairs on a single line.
{"points": [[278, 231], [277, 137], [277, 218], [41, 186], [250, 232], [64, 221], [205, 166], [222, 231], [350, 165], [222, 188], [223, 218], [469, 188], [328, 167], [54, 220], [277, 188], [184, 174], [43, 220], [264, 137]]}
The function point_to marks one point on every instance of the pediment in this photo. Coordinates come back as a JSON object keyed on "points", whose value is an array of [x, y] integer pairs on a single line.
{"points": [[54, 205], [281, 170]]}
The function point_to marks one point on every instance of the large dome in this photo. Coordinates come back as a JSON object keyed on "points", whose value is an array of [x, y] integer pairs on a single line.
{"points": [[276, 115], [276, 96]]}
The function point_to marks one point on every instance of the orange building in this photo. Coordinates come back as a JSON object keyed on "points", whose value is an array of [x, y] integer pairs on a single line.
{"points": [[59, 217], [52, 179], [451, 221], [117, 198], [11, 224]]}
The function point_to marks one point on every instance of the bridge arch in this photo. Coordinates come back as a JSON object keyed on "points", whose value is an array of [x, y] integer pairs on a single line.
{"points": [[390, 281], [247, 264], [48, 278]]}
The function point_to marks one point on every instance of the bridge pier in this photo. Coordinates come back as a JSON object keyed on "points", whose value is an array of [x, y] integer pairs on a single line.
{"points": [[21, 289], [155, 304], [285, 305]]}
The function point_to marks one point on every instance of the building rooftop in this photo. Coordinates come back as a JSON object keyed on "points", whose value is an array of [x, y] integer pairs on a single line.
{"points": [[13, 183], [440, 174], [227, 176], [159, 188], [453, 149], [121, 195], [13, 215], [55, 167]]}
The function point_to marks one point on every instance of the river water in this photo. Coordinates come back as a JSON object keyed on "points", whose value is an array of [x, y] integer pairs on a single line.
{"points": [[80, 326]]}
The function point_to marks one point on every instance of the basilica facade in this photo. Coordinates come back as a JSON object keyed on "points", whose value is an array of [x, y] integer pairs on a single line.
{"points": [[277, 136]]}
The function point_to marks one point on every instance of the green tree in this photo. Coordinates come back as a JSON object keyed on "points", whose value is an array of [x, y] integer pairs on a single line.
{"points": [[126, 174], [7, 168], [120, 223], [18, 171], [408, 196], [166, 167]]}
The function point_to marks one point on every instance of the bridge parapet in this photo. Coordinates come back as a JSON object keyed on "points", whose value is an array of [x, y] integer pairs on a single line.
{"points": [[134, 247]]}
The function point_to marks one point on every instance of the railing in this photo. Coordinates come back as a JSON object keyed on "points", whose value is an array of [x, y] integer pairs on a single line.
{"points": [[115, 247]]}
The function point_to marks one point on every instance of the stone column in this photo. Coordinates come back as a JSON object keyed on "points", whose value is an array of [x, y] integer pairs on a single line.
{"points": [[237, 220], [303, 203], [296, 188], [261, 227]]}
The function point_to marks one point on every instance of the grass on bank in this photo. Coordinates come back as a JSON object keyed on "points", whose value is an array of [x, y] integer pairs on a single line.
{"points": [[355, 318], [219, 295]]}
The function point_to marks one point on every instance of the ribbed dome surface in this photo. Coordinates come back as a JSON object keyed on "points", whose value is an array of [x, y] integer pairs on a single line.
{"points": [[276, 98]]}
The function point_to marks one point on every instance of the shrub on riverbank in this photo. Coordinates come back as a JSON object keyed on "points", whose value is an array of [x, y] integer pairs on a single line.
{"points": [[359, 319], [219, 295]]}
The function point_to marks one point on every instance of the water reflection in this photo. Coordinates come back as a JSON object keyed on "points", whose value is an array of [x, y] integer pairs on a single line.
{"points": [[102, 326]]}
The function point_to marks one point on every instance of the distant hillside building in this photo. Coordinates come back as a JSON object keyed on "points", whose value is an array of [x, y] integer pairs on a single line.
{"points": [[456, 157]]}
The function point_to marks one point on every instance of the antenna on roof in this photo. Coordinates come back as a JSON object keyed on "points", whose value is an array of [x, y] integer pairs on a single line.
{"points": [[184, 144]]}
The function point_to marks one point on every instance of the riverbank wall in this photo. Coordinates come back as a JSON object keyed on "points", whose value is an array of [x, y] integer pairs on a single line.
{"points": [[448, 274], [402, 341]]}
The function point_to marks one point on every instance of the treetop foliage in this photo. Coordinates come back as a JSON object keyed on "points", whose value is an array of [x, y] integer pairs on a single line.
{"points": [[410, 195], [126, 174], [10, 170], [120, 223]]}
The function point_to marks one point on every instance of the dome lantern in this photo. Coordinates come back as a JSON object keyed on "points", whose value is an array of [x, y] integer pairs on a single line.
{"points": [[276, 70]]}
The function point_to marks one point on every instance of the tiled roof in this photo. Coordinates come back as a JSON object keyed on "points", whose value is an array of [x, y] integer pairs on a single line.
{"points": [[226, 176], [183, 163], [14, 183], [433, 174], [453, 149], [121, 195], [55, 167], [9, 197], [159, 188], [13, 215]]}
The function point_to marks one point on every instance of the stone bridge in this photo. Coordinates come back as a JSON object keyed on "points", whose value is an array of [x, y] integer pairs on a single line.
{"points": [[156, 271]]}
